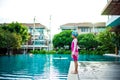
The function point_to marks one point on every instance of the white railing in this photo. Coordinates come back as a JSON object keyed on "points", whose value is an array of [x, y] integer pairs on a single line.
{"points": [[36, 46]]}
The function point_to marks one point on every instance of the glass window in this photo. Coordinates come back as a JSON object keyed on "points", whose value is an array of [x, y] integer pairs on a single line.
{"points": [[85, 29], [30, 30], [40, 30], [99, 29], [39, 42]]}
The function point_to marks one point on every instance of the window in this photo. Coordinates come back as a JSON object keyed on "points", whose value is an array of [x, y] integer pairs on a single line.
{"points": [[37, 42], [99, 29], [30, 30], [41, 37], [40, 30], [85, 29]]}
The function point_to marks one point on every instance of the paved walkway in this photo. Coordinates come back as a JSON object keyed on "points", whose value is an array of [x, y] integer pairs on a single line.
{"points": [[96, 71]]}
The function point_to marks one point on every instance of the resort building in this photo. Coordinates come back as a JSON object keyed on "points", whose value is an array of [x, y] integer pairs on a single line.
{"points": [[85, 27], [39, 37], [112, 10]]}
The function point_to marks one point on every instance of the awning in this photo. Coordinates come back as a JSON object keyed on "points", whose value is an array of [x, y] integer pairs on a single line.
{"points": [[112, 8], [114, 21]]}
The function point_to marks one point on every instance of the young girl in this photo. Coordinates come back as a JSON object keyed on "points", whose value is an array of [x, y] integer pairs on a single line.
{"points": [[74, 49]]}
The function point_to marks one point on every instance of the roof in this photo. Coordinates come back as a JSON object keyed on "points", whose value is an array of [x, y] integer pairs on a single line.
{"points": [[69, 24], [84, 24], [78, 24], [37, 25], [100, 24], [112, 8]]}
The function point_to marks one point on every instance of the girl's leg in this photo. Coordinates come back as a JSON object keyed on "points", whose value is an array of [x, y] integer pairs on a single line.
{"points": [[76, 67], [75, 64]]}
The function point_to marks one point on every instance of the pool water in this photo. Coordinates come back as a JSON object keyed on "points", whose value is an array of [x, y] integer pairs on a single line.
{"points": [[41, 66]]}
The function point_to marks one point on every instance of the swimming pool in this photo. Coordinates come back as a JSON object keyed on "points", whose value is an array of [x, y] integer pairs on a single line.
{"points": [[41, 66]]}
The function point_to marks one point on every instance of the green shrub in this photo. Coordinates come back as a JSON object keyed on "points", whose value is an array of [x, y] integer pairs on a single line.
{"points": [[83, 52], [42, 51], [67, 52], [62, 51], [31, 51], [51, 52], [92, 52], [37, 51]]}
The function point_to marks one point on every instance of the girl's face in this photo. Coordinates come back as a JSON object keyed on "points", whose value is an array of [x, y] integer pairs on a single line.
{"points": [[73, 36]]}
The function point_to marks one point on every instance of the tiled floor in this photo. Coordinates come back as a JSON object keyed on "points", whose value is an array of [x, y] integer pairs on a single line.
{"points": [[96, 71], [99, 70]]}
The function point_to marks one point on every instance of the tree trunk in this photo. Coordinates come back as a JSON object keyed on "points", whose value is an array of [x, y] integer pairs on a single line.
{"points": [[8, 51], [116, 50], [117, 47]]}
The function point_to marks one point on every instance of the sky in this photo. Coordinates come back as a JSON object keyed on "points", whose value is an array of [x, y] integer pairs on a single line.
{"points": [[61, 11]]}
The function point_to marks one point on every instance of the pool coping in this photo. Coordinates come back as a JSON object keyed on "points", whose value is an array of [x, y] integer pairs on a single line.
{"points": [[111, 55], [70, 75], [97, 71]]}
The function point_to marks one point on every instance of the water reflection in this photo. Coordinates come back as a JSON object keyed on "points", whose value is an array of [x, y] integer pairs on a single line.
{"points": [[41, 66]]}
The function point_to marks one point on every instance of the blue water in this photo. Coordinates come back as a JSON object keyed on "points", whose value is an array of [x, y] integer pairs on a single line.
{"points": [[41, 67]]}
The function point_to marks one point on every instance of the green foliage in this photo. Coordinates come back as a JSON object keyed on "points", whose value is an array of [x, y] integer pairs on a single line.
{"points": [[93, 52], [31, 51], [9, 40], [106, 39], [67, 52], [62, 39], [104, 42], [87, 41], [51, 52], [12, 36], [60, 51], [18, 29], [63, 51], [38, 51], [42, 52]]}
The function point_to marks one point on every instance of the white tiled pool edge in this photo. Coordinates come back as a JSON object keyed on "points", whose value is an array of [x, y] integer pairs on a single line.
{"points": [[72, 76], [112, 55]]}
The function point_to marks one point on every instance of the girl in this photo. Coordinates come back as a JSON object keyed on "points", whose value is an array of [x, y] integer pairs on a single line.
{"points": [[74, 49]]}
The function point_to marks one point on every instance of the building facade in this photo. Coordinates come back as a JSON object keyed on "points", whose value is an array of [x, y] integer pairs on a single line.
{"points": [[112, 10], [85, 27], [39, 38]]}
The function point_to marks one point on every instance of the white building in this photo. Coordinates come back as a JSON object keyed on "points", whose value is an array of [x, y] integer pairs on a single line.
{"points": [[39, 37], [85, 27]]}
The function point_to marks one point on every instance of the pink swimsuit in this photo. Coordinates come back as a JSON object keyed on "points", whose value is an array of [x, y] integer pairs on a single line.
{"points": [[74, 49]]}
